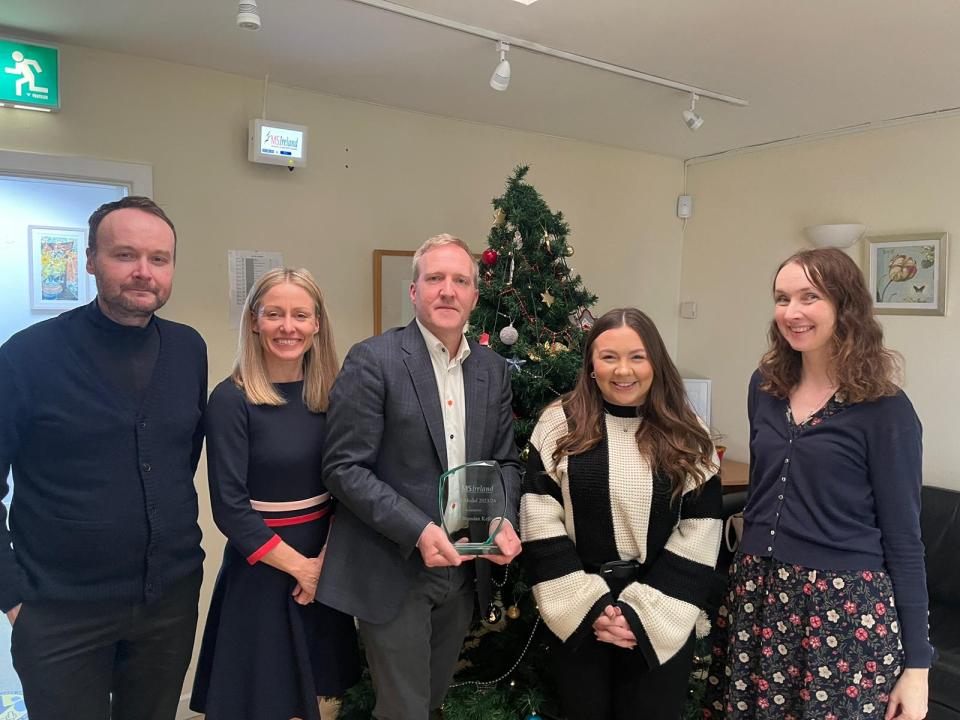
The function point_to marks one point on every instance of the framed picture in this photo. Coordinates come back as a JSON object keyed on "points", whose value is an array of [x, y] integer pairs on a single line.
{"points": [[907, 274], [391, 289], [57, 276], [698, 395]]}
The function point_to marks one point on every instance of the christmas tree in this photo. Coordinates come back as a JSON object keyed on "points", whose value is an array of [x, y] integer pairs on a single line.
{"points": [[534, 311]]}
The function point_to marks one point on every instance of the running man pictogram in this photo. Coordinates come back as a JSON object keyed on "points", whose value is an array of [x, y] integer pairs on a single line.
{"points": [[25, 68]]}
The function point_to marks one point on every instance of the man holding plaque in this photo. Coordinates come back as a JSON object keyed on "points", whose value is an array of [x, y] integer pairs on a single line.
{"points": [[408, 406]]}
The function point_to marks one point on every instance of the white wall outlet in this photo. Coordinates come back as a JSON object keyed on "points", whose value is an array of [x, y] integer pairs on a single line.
{"points": [[684, 206], [688, 310]]}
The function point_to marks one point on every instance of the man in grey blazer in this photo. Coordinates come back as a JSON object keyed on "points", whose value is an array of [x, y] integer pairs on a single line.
{"points": [[408, 405]]}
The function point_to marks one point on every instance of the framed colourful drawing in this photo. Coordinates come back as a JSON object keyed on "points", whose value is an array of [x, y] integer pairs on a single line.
{"points": [[907, 274], [57, 274]]}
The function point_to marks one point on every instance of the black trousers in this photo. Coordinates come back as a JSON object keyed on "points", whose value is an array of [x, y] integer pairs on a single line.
{"points": [[103, 660], [599, 681]]}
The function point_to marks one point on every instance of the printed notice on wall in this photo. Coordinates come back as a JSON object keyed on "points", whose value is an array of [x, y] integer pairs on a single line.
{"points": [[244, 267]]}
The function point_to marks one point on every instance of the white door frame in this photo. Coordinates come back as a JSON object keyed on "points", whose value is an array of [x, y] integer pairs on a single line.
{"points": [[137, 177]]}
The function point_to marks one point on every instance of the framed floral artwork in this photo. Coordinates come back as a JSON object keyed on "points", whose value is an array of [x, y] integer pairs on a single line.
{"points": [[907, 274], [57, 275]]}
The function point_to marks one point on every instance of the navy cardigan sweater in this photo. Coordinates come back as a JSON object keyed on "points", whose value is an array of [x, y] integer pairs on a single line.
{"points": [[843, 495], [104, 505]]}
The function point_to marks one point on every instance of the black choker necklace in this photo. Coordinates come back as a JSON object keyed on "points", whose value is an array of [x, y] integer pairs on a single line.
{"points": [[624, 411]]}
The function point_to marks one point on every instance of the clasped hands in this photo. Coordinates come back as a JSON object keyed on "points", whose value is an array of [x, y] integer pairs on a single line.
{"points": [[612, 627], [307, 577], [437, 550]]}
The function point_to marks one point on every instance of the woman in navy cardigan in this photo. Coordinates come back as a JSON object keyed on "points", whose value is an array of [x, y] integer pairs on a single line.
{"points": [[827, 611]]}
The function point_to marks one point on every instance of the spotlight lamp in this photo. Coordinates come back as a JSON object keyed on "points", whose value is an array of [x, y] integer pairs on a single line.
{"points": [[500, 80], [248, 16], [691, 117]]}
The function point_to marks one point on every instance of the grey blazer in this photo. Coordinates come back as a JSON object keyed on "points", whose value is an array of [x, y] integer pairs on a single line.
{"points": [[384, 453]]}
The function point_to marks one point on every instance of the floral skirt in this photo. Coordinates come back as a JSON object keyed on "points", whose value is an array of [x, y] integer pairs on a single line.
{"points": [[802, 644]]}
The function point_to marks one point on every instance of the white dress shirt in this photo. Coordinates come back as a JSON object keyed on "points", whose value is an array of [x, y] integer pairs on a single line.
{"points": [[448, 372]]}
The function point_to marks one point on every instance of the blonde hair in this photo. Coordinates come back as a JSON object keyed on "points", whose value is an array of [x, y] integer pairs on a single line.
{"points": [[439, 241], [320, 363]]}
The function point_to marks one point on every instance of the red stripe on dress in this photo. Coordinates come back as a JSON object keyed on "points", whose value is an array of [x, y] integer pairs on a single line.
{"points": [[269, 545], [297, 520]]}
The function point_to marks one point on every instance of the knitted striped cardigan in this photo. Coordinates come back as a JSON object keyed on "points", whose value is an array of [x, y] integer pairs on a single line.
{"points": [[606, 504]]}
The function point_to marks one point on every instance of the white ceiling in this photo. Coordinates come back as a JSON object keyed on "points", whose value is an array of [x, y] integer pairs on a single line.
{"points": [[806, 66]]}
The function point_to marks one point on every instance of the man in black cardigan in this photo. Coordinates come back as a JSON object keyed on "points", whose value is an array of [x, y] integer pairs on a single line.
{"points": [[100, 569]]}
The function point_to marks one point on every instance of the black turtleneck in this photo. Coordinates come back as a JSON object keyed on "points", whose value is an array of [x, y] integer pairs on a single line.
{"points": [[624, 411], [125, 354]]}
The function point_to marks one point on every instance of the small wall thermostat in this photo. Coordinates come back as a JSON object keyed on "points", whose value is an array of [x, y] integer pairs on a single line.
{"points": [[684, 206]]}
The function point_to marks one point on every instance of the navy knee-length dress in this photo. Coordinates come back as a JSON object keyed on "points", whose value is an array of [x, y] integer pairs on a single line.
{"points": [[265, 656]]}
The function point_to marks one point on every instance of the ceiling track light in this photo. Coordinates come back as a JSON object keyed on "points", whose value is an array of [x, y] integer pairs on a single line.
{"points": [[549, 51], [500, 80], [248, 16], [691, 117]]}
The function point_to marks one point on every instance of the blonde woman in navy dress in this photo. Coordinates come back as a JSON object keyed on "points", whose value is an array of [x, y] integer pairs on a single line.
{"points": [[269, 651], [827, 610]]}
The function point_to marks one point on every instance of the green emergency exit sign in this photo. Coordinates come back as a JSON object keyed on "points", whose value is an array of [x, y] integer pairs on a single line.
{"points": [[29, 75]]}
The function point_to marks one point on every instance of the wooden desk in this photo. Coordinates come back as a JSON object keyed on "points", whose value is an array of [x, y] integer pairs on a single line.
{"points": [[734, 476]]}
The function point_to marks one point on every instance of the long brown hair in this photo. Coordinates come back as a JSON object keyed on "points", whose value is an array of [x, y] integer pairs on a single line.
{"points": [[671, 436], [863, 368], [320, 363]]}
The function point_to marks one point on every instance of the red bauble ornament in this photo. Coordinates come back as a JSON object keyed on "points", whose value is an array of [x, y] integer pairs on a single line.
{"points": [[488, 257]]}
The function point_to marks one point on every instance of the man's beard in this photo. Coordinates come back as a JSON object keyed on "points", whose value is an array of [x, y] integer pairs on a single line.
{"points": [[140, 307]]}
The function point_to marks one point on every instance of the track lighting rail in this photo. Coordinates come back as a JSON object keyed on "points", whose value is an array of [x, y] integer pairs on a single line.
{"points": [[516, 42]]}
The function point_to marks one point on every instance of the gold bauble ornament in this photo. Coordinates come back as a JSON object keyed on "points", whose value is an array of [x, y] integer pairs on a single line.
{"points": [[569, 251], [513, 612]]}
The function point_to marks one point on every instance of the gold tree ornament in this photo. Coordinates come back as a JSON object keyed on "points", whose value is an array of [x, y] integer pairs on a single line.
{"points": [[499, 217], [547, 241], [548, 299], [569, 251]]}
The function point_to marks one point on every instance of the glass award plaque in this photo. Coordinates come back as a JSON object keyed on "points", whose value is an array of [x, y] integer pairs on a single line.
{"points": [[473, 502]]}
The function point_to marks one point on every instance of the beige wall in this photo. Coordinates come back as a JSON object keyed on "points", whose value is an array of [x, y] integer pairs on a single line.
{"points": [[750, 210], [409, 176]]}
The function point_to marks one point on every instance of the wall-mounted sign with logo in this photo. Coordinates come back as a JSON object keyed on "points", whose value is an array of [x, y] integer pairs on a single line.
{"points": [[29, 75], [276, 143]]}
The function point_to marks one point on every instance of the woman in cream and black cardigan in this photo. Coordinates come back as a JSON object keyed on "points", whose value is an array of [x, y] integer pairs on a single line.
{"points": [[620, 526]]}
